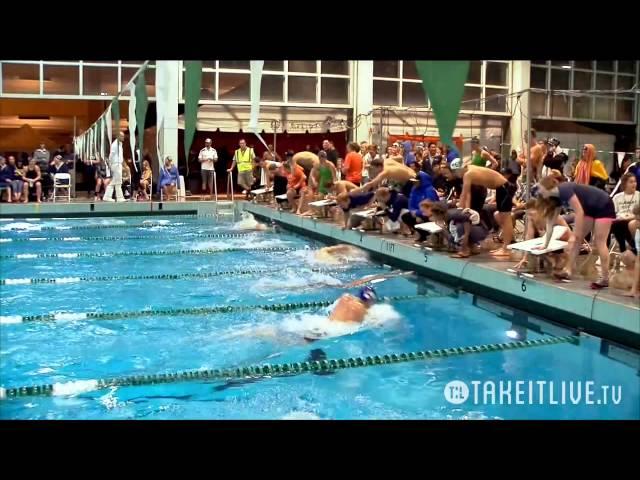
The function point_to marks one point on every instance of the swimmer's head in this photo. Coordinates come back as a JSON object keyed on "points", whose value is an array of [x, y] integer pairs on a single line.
{"points": [[368, 295], [426, 207], [383, 194], [456, 164]]}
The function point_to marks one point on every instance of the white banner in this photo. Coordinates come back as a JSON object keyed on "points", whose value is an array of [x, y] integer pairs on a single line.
{"points": [[162, 98], [256, 78], [620, 157], [108, 121], [132, 122]]}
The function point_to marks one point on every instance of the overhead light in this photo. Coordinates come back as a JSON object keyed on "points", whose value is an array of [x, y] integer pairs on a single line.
{"points": [[104, 94], [567, 67]]}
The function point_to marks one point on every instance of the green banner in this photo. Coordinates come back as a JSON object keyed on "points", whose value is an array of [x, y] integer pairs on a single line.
{"points": [[192, 86], [115, 114], [443, 82], [142, 102]]}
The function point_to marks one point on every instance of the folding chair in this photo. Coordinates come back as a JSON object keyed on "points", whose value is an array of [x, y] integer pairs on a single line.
{"points": [[180, 190], [62, 181]]}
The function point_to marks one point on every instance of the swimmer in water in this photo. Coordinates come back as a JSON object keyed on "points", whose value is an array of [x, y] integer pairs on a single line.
{"points": [[248, 222], [337, 253]]}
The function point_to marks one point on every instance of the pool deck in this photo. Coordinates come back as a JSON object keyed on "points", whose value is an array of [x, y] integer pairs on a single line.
{"points": [[574, 304], [601, 313]]}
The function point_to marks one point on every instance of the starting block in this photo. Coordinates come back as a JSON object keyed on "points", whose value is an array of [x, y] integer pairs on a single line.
{"points": [[323, 203], [430, 227], [528, 246], [369, 213], [262, 191]]}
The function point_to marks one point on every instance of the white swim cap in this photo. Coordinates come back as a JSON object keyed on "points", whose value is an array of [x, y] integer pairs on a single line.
{"points": [[456, 164]]}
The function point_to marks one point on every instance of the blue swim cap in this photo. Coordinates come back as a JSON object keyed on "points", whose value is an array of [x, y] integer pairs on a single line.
{"points": [[367, 294]]}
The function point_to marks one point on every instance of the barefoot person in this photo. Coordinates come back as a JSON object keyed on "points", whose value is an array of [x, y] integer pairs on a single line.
{"points": [[321, 179], [394, 173], [633, 261], [594, 212], [480, 157]]}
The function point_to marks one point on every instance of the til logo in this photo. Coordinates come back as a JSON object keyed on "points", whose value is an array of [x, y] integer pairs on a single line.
{"points": [[456, 392]]}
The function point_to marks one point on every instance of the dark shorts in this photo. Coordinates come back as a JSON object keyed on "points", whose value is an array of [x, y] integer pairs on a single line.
{"points": [[504, 197], [207, 176], [606, 211]]}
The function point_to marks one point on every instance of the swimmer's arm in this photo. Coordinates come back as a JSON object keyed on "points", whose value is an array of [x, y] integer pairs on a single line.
{"points": [[372, 184], [487, 156], [465, 196]]}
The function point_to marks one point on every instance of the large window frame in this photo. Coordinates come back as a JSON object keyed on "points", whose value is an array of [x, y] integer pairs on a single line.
{"points": [[483, 85], [216, 70], [80, 64], [594, 71]]}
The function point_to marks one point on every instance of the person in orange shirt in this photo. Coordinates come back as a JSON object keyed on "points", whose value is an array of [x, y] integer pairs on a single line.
{"points": [[352, 166], [296, 181]]}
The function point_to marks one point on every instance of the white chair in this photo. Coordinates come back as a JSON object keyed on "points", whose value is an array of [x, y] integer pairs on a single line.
{"points": [[180, 191], [62, 181]]}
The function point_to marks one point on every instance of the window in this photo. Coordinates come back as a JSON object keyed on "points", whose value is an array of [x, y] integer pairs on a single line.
{"points": [[235, 64], [272, 88], [560, 79], [475, 72], [584, 64], [20, 78], [335, 67], [561, 63], [559, 106], [385, 92], [208, 87], [302, 89], [409, 70], [538, 104], [604, 82], [209, 64], [625, 82], [335, 90], [274, 65], [499, 101], [386, 69], [604, 65], [604, 109], [497, 73], [626, 66], [303, 66], [471, 98], [582, 107], [624, 110], [413, 95], [582, 80], [61, 80], [539, 78], [234, 86], [100, 81], [149, 79]]}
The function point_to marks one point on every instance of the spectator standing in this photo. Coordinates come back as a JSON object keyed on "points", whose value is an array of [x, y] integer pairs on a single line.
{"points": [[208, 158], [243, 158], [42, 157], [116, 158], [352, 168], [332, 153]]}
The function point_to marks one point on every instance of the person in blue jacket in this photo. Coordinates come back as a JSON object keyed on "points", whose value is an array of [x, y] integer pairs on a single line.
{"points": [[422, 190], [409, 156], [394, 202], [168, 178]]}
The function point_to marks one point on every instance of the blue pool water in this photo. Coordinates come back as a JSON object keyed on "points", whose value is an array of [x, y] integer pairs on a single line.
{"points": [[70, 350]]}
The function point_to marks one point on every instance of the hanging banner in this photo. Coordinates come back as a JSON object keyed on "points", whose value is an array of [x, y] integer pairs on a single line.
{"points": [[142, 102], [192, 86], [132, 122], [108, 121], [256, 79], [162, 99], [443, 83], [115, 112]]}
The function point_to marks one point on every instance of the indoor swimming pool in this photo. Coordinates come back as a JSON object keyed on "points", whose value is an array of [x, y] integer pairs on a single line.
{"points": [[84, 300]]}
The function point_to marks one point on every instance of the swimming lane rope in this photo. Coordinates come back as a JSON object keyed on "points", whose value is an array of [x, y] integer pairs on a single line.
{"points": [[206, 251], [274, 307], [132, 237], [164, 276], [267, 370]]}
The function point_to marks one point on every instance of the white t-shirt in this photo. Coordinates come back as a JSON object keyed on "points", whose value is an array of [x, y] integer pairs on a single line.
{"points": [[624, 203], [207, 157]]}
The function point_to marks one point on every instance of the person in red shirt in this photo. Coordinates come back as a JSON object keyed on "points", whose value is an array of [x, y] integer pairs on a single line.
{"points": [[352, 166], [296, 181]]}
